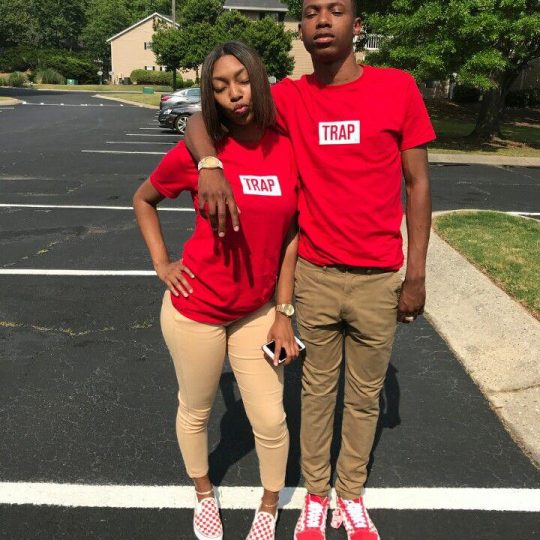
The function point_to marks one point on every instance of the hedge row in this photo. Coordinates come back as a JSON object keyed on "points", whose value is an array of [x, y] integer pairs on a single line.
{"points": [[163, 78]]}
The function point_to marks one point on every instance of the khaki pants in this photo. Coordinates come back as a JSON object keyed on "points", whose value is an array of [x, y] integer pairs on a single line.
{"points": [[337, 307], [198, 352]]}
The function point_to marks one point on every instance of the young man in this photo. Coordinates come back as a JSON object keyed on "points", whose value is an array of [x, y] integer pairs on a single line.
{"points": [[355, 131]]}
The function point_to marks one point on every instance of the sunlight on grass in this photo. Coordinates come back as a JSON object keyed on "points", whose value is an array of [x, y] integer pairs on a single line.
{"points": [[149, 99], [506, 248]]}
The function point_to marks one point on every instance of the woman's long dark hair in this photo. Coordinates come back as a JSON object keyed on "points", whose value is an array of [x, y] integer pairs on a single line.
{"points": [[261, 98]]}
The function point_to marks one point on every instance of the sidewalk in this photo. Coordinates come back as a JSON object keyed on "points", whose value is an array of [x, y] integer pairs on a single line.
{"points": [[484, 159], [495, 338]]}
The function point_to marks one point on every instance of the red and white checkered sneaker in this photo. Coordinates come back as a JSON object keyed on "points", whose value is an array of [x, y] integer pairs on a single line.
{"points": [[352, 514], [311, 524], [263, 527], [206, 520]]}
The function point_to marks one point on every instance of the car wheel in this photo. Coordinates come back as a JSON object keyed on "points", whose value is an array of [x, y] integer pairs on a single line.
{"points": [[180, 123]]}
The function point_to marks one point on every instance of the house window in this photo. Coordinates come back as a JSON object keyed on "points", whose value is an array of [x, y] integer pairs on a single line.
{"points": [[148, 45], [150, 68], [162, 68]]}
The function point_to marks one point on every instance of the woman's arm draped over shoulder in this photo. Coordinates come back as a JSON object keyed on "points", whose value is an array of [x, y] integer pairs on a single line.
{"points": [[215, 193]]}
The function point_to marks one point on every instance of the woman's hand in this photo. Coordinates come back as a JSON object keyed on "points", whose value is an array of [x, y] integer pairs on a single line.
{"points": [[282, 333], [172, 274]]}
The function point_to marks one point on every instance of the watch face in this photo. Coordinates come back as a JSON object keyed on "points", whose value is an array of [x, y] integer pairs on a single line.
{"points": [[211, 162], [287, 309]]}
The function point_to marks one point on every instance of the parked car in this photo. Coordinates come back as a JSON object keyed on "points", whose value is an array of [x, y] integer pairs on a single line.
{"points": [[176, 117], [186, 95]]}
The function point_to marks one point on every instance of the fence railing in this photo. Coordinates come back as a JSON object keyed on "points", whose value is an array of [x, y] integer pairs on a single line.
{"points": [[371, 42]]}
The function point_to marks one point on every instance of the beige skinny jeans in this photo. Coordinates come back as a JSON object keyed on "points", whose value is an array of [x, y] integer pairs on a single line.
{"points": [[198, 351]]}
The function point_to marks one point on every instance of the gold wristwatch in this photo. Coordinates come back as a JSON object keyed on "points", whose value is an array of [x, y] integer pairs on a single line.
{"points": [[209, 162], [286, 309]]}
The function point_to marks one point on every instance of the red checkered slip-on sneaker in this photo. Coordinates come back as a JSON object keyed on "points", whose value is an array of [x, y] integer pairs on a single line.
{"points": [[206, 520], [263, 527], [352, 514], [311, 524]]}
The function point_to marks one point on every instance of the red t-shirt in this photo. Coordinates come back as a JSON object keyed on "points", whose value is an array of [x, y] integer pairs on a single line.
{"points": [[237, 274], [347, 141]]}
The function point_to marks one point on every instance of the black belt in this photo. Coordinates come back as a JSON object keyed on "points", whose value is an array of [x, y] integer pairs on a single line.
{"points": [[359, 269]]}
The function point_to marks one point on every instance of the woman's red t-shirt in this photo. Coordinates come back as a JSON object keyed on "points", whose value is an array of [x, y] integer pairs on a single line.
{"points": [[237, 274]]}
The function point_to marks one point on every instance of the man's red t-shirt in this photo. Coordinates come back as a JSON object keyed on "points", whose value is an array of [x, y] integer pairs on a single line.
{"points": [[347, 142], [237, 274]]}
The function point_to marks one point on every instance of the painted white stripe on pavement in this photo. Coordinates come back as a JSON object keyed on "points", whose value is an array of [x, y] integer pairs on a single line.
{"points": [[89, 207], [71, 104], [6, 108], [237, 498], [121, 152], [62, 272], [141, 142], [153, 135], [154, 128]]}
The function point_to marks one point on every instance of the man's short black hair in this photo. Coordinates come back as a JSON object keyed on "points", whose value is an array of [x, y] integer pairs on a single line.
{"points": [[354, 4]]}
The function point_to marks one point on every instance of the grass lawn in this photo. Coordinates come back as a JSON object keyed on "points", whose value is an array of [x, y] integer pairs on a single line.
{"points": [[4, 98], [504, 247], [149, 99], [102, 88], [453, 122]]}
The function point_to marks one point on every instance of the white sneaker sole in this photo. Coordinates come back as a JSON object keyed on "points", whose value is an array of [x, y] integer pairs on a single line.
{"points": [[202, 536]]}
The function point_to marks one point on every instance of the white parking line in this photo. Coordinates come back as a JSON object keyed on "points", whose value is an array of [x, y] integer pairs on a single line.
{"points": [[88, 207], [153, 135], [72, 105], [61, 272], [6, 108], [239, 498], [121, 152], [155, 128], [141, 142]]}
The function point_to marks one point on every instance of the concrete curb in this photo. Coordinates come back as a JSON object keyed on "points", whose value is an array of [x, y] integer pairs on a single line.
{"points": [[494, 337], [480, 159], [134, 103], [10, 102]]}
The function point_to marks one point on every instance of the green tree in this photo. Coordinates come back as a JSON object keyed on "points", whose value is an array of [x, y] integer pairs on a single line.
{"points": [[105, 19], [17, 24], [42, 23], [186, 47], [273, 44], [204, 24], [486, 43]]}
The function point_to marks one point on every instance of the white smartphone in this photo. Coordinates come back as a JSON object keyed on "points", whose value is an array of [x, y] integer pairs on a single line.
{"points": [[270, 349]]}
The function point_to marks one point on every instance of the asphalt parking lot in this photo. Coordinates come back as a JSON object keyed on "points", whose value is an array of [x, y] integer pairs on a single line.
{"points": [[87, 390]]}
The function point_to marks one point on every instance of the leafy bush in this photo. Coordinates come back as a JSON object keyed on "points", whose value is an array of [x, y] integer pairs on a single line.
{"points": [[142, 76], [3, 81], [71, 65], [17, 79], [49, 76], [188, 83], [529, 97], [466, 94]]}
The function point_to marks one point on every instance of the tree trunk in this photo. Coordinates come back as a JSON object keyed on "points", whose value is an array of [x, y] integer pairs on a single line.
{"points": [[174, 79], [492, 108]]}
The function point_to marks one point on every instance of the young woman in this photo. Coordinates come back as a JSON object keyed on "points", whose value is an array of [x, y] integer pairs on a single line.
{"points": [[221, 293]]}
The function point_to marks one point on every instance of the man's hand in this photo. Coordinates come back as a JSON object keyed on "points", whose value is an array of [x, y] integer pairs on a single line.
{"points": [[172, 274], [282, 333], [215, 198], [412, 299]]}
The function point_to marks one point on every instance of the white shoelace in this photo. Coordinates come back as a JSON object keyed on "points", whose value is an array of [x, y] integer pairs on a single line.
{"points": [[314, 515], [356, 513]]}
